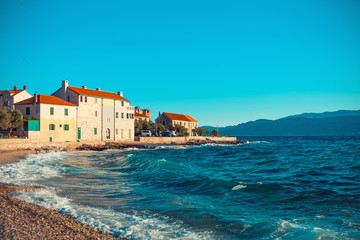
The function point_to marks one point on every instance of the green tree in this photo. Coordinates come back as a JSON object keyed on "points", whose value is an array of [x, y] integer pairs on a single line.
{"points": [[11, 120], [181, 130], [138, 125], [4, 119], [170, 127], [145, 125], [215, 132], [201, 131], [160, 128]]}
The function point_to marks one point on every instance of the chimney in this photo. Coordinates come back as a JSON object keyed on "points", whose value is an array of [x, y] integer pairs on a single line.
{"points": [[36, 96], [15, 88], [120, 94], [84, 87], [98, 89], [65, 84], [24, 87]]}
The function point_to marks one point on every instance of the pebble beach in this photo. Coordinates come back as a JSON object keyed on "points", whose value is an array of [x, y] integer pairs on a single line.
{"points": [[22, 220]]}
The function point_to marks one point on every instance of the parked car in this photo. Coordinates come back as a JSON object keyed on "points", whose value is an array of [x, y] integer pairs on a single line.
{"points": [[137, 133], [167, 134], [145, 133]]}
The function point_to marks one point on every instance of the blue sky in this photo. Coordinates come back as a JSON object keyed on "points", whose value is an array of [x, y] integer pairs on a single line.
{"points": [[222, 62]]}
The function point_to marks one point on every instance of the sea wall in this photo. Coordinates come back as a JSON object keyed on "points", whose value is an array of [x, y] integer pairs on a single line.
{"points": [[27, 144], [182, 140], [19, 144]]}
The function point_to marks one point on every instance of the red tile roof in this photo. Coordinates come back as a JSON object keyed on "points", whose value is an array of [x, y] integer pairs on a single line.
{"points": [[97, 93], [45, 99], [180, 117], [137, 114]]}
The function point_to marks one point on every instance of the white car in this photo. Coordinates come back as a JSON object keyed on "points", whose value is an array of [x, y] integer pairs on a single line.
{"points": [[145, 133]]}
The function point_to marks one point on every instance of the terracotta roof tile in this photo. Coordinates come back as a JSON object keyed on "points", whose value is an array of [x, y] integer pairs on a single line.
{"points": [[13, 92], [140, 115], [97, 93], [45, 99], [180, 117]]}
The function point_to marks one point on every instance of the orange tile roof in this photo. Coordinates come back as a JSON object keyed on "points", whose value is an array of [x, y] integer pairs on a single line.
{"points": [[180, 117], [97, 93], [13, 92], [45, 99], [137, 114]]}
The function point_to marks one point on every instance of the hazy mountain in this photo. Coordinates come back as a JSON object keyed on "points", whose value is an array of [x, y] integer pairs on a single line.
{"points": [[340, 113], [339, 123]]}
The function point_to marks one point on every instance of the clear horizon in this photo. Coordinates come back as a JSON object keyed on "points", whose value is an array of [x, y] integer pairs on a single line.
{"points": [[221, 63]]}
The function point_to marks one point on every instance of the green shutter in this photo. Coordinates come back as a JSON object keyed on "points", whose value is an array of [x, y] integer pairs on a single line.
{"points": [[95, 131], [52, 111], [122, 103], [122, 115], [117, 115], [66, 127], [66, 112]]}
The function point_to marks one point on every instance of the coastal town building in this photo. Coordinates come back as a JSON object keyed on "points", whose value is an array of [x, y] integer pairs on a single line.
{"points": [[173, 119], [48, 118], [142, 114], [100, 115], [9, 97]]}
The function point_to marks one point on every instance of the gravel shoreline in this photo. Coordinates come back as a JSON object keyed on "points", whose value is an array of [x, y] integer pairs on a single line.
{"points": [[22, 220]]}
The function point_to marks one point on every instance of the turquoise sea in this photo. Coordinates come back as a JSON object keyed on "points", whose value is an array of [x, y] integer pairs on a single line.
{"points": [[268, 188]]}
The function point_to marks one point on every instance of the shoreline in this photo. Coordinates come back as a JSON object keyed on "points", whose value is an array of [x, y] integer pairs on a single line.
{"points": [[22, 220], [19, 219]]}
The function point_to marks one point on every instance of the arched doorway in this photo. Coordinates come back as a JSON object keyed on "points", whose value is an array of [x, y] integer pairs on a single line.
{"points": [[107, 133]]}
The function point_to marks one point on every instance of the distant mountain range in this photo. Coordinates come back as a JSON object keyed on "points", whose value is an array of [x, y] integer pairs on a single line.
{"points": [[339, 123]]}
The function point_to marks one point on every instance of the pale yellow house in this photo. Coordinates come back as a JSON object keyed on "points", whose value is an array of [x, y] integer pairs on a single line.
{"points": [[178, 119], [53, 119], [100, 115], [9, 97]]}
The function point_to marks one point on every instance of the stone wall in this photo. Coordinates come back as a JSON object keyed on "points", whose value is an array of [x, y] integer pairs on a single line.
{"points": [[182, 140]]}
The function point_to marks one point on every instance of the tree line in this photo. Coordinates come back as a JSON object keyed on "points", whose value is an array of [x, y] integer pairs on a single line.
{"points": [[180, 130]]}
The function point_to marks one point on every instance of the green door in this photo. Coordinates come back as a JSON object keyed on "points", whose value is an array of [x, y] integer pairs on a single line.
{"points": [[79, 133]]}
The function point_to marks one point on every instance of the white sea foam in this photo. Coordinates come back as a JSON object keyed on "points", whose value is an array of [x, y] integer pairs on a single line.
{"points": [[139, 225], [33, 167], [241, 185], [292, 230]]}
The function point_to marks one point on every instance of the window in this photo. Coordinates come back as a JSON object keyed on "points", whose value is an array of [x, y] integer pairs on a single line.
{"points": [[95, 113], [122, 115], [66, 112], [50, 139], [81, 98], [108, 119], [51, 111], [66, 127], [117, 131], [117, 115], [95, 131], [85, 99], [27, 110], [51, 126], [122, 103], [68, 98], [122, 133], [95, 100], [129, 133]]}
